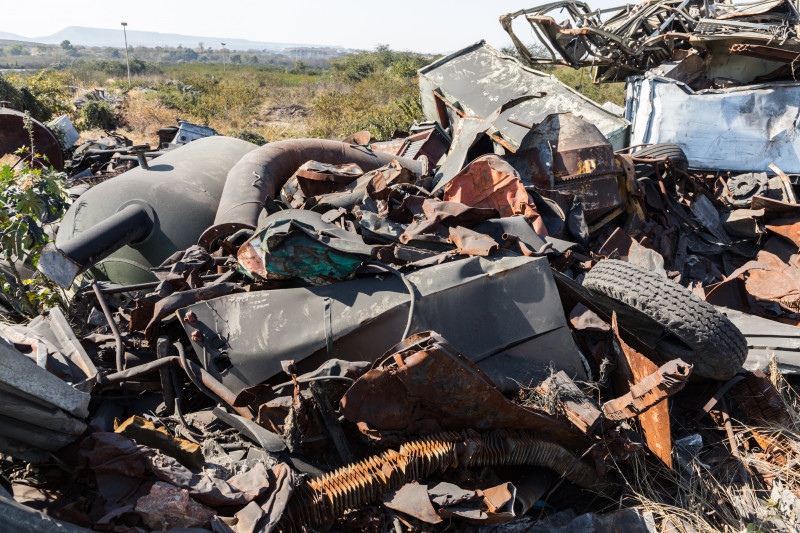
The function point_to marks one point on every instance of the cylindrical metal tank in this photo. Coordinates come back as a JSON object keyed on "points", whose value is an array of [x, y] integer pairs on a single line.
{"points": [[181, 192]]}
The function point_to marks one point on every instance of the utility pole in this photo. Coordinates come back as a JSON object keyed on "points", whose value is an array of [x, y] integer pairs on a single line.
{"points": [[223, 57], [127, 61]]}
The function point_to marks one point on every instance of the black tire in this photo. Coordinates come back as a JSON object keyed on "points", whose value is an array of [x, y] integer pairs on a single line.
{"points": [[716, 347], [659, 151]]}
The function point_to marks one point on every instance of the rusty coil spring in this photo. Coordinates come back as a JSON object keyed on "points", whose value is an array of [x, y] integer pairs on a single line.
{"points": [[328, 497]]}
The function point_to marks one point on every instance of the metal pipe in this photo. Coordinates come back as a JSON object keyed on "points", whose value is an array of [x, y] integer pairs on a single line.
{"points": [[144, 286], [111, 324], [132, 223], [262, 172], [208, 384]]}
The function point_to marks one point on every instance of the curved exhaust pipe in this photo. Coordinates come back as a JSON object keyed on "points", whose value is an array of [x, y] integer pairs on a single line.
{"points": [[262, 172]]}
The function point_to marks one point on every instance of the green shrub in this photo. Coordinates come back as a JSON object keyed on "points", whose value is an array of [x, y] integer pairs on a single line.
{"points": [[96, 114], [250, 136], [379, 104], [29, 199], [43, 95]]}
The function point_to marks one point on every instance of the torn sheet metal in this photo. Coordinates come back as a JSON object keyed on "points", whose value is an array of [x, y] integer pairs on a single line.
{"points": [[767, 339], [424, 386], [655, 422], [314, 178], [669, 379], [40, 410], [740, 128], [297, 244], [509, 321], [571, 155], [489, 181], [55, 348], [478, 78]]}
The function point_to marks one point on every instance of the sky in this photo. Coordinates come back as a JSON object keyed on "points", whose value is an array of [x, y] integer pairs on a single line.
{"points": [[423, 26]]}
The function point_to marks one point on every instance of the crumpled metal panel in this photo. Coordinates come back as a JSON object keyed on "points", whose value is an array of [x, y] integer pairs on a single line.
{"points": [[741, 128], [503, 313], [424, 386], [478, 79], [296, 244], [767, 340]]}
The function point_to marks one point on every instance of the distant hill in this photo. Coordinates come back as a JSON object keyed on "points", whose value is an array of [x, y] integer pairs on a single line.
{"points": [[82, 36]]}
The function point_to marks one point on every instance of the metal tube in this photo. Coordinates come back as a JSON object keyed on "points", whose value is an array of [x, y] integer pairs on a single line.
{"points": [[111, 324], [262, 172], [207, 382], [130, 224]]}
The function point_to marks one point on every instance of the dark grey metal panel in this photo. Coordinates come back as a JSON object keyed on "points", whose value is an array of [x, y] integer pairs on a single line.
{"points": [[487, 308], [480, 79], [767, 339]]}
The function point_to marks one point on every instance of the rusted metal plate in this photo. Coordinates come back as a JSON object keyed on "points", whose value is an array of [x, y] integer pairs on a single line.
{"points": [[667, 380], [566, 153], [655, 421], [576, 406], [788, 228], [424, 386], [489, 181], [13, 136]]}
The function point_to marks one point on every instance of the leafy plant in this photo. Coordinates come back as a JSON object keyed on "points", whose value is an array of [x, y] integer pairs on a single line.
{"points": [[96, 114], [30, 198]]}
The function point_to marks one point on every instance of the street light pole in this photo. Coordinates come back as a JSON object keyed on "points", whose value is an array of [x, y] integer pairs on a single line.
{"points": [[127, 62], [223, 57]]}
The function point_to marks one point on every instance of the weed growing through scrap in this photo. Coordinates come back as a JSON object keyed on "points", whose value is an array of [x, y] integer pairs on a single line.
{"points": [[30, 198]]}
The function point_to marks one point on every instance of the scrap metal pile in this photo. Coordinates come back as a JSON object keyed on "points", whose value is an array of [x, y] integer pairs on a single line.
{"points": [[638, 37], [490, 322]]}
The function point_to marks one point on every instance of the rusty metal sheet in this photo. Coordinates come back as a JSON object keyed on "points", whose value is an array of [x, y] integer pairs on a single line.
{"points": [[569, 154], [489, 181], [314, 178], [424, 385], [788, 228], [575, 405], [669, 379], [412, 499], [655, 421], [13, 136], [761, 401], [775, 280], [620, 245], [470, 242]]}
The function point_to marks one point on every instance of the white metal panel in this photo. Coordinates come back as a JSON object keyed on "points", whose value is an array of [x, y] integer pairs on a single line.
{"points": [[741, 129]]}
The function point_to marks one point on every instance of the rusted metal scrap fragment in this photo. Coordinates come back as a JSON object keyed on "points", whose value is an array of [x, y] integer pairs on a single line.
{"points": [[489, 181], [635, 367], [788, 228], [669, 379], [471, 242], [167, 507], [423, 386], [760, 401], [13, 136], [576, 406], [146, 433]]}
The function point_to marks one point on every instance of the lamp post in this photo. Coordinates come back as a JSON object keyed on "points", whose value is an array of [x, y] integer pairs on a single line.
{"points": [[223, 57], [127, 62]]}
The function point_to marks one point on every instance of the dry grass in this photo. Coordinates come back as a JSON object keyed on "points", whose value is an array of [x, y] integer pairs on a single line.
{"points": [[715, 491]]}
